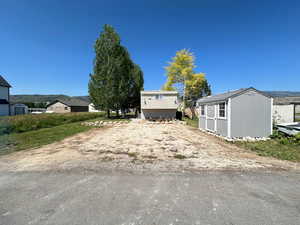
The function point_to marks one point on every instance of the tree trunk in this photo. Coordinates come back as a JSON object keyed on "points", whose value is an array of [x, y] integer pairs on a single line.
{"points": [[108, 113], [183, 103], [117, 111], [123, 113]]}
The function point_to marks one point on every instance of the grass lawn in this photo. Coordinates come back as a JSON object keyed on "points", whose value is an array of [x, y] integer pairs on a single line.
{"points": [[191, 122], [284, 148], [33, 139], [277, 148], [297, 117]]}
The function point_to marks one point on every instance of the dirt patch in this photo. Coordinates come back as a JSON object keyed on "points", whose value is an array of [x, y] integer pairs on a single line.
{"points": [[142, 145]]}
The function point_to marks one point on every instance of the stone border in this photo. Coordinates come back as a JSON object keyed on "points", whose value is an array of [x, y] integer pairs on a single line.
{"points": [[245, 139]]}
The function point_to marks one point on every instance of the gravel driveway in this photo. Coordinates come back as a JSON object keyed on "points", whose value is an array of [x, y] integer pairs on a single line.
{"points": [[142, 145]]}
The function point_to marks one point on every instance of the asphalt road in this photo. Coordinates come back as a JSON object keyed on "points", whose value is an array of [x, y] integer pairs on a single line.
{"points": [[100, 198]]}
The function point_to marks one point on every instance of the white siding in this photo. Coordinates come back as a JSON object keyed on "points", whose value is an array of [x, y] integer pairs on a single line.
{"points": [[58, 107], [165, 101], [297, 108], [283, 114], [92, 108]]}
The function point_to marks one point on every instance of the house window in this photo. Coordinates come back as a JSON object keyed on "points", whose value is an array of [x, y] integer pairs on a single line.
{"points": [[66, 108], [158, 97], [202, 110], [222, 113]]}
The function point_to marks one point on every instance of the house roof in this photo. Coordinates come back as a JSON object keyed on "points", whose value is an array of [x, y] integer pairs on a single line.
{"points": [[159, 92], [227, 95], [3, 82], [286, 100], [284, 97], [282, 94], [71, 102]]}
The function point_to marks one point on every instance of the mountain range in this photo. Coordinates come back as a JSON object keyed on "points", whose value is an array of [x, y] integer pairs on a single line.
{"points": [[50, 98], [43, 98]]}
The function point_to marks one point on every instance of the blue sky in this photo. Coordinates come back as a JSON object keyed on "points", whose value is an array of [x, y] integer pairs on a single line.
{"points": [[47, 45]]}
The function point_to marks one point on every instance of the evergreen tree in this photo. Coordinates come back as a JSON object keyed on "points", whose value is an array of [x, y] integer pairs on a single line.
{"points": [[136, 87], [113, 85], [103, 83]]}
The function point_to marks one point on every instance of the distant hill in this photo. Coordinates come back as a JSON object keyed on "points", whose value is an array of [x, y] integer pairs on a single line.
{"points": [[43, 98], [83, 98], [281, 94]]}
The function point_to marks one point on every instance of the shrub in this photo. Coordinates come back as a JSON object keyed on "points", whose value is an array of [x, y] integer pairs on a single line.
{"points": [[276, 134], [179, 156], [4, 125], [23, 123]]}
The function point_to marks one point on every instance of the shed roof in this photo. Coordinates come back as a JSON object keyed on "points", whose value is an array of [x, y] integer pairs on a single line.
{"points": [[227, 95], [71, 102], [3, 82]]}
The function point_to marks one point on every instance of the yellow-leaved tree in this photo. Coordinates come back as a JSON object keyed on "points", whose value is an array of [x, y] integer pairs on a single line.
{"points": [[182, 77]]}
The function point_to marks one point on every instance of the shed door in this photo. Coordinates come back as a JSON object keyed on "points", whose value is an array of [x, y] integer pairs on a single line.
{"points": [[211, 117]]}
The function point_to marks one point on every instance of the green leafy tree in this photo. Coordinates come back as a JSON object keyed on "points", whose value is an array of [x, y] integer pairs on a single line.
{"points": [[103, 85], [112, 84], [137, 84], [182, 77]]}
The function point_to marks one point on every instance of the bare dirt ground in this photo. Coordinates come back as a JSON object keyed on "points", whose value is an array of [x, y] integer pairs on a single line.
{"points": [[141, 145]]}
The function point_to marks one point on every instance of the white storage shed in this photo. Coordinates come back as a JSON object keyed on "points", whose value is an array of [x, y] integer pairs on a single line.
{"points": [[246, 112]]}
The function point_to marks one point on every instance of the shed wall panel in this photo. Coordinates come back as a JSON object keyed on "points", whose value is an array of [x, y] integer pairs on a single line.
{"points": [[251, 115], [211, 124], [222, 127], [202, 122]]}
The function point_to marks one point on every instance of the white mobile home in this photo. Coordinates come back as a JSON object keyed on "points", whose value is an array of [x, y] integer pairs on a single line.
{"points": [[246, 112], [286, 109], [286, 106], [159, 104]]}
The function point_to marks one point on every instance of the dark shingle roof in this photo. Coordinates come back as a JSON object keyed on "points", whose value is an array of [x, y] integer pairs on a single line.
{"points": [[71, 102], [3, 82], [227, 95]]}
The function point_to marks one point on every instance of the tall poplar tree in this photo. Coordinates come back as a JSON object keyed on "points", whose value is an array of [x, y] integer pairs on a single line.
{"points": [[113, 85], [182, 77], [102, 85]]}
